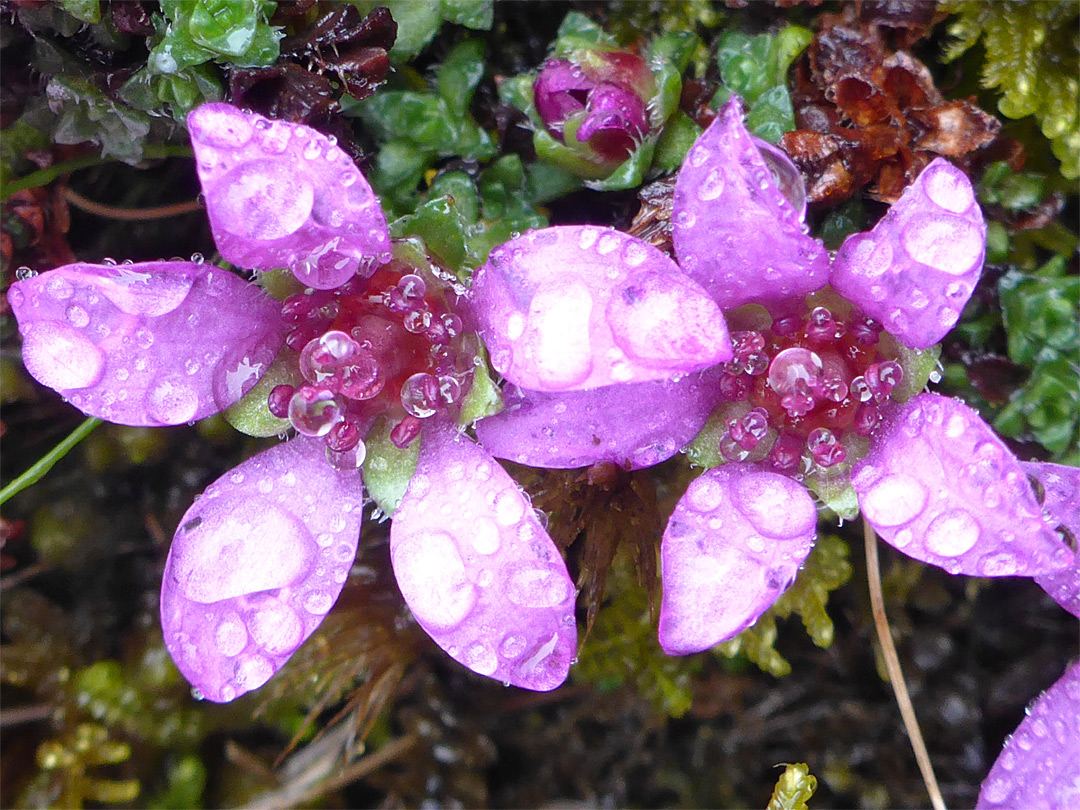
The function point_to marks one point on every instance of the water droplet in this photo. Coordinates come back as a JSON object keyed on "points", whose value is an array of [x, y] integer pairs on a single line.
{"points": [[252, 671], [77, 316], [318, 602], [712, 186], [230, 637]]}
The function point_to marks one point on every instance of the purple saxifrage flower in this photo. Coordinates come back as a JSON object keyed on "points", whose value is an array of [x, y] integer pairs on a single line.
{"points": [[613, 352], [261, 557], [597, 108]]}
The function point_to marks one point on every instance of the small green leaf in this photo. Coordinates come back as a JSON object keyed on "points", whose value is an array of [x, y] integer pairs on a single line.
{"points": [[578, 31], [484, 397], [460, 73], [418, 22], [89, 11], [771, 115], [631, 172], [440, 225], [678, 136], [794, 788], [475, 14], [251, 415], [676, 47], [388, 469]]}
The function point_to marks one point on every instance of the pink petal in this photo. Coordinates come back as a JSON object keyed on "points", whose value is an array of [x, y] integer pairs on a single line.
{"points": [[284, 195], [578, 307], [732, 546], [1039, 768], [157, 343], [477, 569], [735, 232], [256, 564], [1061, 502], [554, 93], [940, 486], [579, 428], [917, 268]]}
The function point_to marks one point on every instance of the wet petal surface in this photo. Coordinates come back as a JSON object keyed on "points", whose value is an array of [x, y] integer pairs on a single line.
{"points": [[580, 428], [284, 195], [941, 487], [157, 343], [735, 232], [579, 307], [477, 569], [733, 545], [256, 564], [1039, 768], [917, 268], [1061, 503]]}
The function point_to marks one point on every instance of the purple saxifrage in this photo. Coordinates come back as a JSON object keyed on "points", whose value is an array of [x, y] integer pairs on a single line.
{"points": [[814, 390], [262, 556]]}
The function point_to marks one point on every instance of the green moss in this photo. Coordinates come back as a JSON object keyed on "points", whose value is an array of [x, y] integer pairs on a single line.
{"points": [[1033, 58], [826, 569]]}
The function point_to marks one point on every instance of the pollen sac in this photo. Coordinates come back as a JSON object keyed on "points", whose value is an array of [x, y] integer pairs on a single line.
{"points": [[156, 343], [256, 564], [736, 232], [579, 307], [1040, 764], [477, 569], [916, 269], [733, 545], [284, 195], [939, 486]]}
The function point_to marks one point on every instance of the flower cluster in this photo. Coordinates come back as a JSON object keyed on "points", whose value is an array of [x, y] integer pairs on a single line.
{"points": [[810, 366]]}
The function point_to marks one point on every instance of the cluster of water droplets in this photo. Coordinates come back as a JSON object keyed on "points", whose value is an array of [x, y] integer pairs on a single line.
{"points": [[388, 345], [811, 383]]}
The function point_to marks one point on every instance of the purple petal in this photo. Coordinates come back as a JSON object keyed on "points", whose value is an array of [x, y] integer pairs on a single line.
{"points": [[735, 232], [1039, 768], [556, 91], [256, 564], [614, 107], [284, 195], [1061, 502], [477, 569], [918, 266], [732, 546], [942, 488], [157, 343], [578, 307], [579, 428]]}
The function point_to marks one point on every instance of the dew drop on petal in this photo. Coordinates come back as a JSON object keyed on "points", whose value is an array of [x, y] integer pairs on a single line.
{"points": [[230, 637], [171, 402], [432, 578], [952, 533], [61, 358]]}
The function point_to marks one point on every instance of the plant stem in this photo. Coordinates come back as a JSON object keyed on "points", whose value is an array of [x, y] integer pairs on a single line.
{"points": [[43, 177], [46, 462], [896, 675], [129, 214]]}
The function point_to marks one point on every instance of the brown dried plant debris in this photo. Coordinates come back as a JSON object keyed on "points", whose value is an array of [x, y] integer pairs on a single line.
{"points": [[338, 43], [871, 117], [603, 507]]}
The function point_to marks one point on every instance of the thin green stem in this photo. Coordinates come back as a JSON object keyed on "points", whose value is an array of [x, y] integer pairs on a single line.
{"points": [[896, 674], [43, 177], [46, 462]]}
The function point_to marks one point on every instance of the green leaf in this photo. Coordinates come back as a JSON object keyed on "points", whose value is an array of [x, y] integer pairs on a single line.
{"points": [[251, 415], [631, 172], [676, 47], [771, 115], [87, 114], [546, 182], [439, 224], [484, 397], [459, 75], [794, 788], [418, 22], [475, 14], [1039, 313], [578, 31], [89, 11], [388, 469]]}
